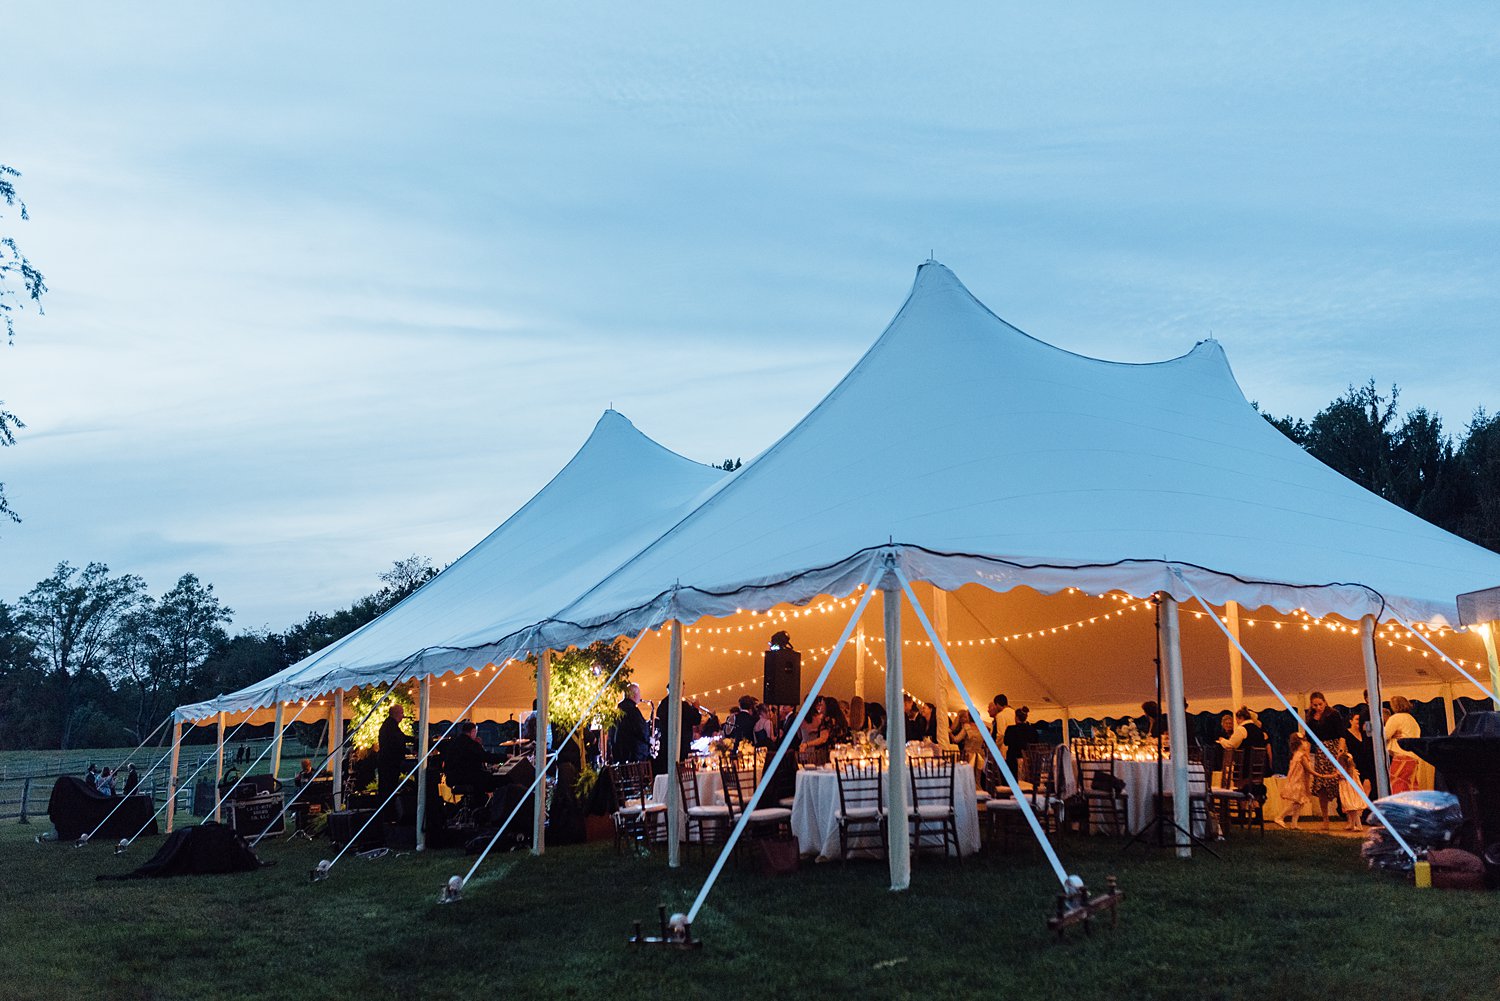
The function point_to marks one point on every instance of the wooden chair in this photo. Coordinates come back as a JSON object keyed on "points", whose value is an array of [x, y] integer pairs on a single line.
{"points": [[1199, 796], [708, 821], [861, 805], [1104, 793], [739, 786], [636, 816], [1241, 798], [932, 801]]}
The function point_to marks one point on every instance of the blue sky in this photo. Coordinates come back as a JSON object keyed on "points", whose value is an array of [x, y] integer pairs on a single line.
{"points": [[337, 283]]}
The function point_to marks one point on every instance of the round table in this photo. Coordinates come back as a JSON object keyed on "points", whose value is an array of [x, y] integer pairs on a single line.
{"points": [[815, 812]]}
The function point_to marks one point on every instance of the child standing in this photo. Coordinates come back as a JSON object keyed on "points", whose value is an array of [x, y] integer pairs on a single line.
{"points": [[1294, 790], [1349, 799]]}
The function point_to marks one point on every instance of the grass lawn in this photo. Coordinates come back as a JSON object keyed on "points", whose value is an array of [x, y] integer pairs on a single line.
{"points": [[1287, 915]]}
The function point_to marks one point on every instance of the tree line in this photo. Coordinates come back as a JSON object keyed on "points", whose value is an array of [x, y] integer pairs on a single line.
{"points": [[89, 658]]}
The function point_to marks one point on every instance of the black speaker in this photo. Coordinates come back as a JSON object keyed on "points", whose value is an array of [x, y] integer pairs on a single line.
{"points": [[783, 678]]}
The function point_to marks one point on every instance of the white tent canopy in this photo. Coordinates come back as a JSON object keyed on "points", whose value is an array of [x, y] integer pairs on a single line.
{"points": [[979, 455], [1001, 470], [616, 494]]}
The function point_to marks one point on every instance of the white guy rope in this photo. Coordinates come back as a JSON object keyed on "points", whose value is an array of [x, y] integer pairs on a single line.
{"points": [[144, 777], [1182, 578], [541, 740], [984, 732], [500, 669], [785, 743], [1472, 680], [264, 751], [131, 840]]}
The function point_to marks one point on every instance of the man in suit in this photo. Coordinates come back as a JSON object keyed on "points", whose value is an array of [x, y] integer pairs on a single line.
{"points": [[1002, 717], [390, 757], [632, 739], [690, 719]]}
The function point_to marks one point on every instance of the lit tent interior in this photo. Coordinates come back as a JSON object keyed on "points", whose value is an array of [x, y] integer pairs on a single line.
{"points": [[1036, 496]]}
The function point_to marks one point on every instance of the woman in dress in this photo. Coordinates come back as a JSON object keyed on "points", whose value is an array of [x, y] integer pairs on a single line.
{"points": [[1360, 748], [1328, 724], [1403, 762], [835, 723]]}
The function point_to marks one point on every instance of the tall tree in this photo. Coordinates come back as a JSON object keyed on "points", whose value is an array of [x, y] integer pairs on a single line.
{"points": [[20, 283], [1352, 435], [71, 617]]}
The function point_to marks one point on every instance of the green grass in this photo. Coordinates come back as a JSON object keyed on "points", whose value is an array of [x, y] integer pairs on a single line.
{"points": [[1290, 915]]}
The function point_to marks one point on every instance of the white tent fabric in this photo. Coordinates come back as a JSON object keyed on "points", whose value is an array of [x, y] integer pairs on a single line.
{"points": [[978, 454], [616, 494]]}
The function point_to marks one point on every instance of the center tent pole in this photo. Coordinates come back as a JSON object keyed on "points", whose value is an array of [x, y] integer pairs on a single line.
{"points": [[542, 719], [989, 739], [898, 830], [672, 741], [424, 712], [1381, 780], [1236, 663], [1301, 719], [944, 735], [781, 749], [859, 661], [1171, 643]]}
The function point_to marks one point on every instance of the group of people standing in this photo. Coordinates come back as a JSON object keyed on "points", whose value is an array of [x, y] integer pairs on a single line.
{"points": [[104, 782]]}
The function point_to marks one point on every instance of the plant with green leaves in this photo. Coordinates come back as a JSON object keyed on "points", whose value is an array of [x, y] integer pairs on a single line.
{"points": [[577, 675], [367, 734]]}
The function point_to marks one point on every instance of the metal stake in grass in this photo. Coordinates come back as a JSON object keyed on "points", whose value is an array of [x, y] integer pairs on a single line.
{"points": [[676, 932]]}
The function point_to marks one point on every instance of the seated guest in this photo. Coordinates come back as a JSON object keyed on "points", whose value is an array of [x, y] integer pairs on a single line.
{"points": [[1247, 733], [1018, 736], [304, 774], [463, 759], [875, 719], [812, 733], [835, 723]]}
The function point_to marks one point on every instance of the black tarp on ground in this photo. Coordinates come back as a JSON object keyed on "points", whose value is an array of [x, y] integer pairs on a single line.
{"points": [[208, 849], [76, 808]]}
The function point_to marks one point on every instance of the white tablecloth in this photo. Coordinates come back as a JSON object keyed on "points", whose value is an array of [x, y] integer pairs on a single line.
{"points": [[710, 793], [1140, 786], [815, 811]]}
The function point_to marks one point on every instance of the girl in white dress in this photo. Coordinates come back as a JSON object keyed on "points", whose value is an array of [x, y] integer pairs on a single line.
{"points": [[1349, 797], [1295, 788]]}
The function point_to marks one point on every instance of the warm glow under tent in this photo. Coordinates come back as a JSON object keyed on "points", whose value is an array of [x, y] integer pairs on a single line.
{"points": [[1033, 489]]}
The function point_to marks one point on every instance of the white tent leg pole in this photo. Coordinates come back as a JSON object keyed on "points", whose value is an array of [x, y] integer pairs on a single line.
{"points": [[859, 661], [1302, 722], [672, 738], [989, 739], [1448, 711], [1236, 663], [424, 711], [781, 748], [1487, 633], [219, 775], [336, 744], [172, 774], [1381, 780], [898, 833], [543, 733], [276, 742], [944, 725], [1171, 648], [1067, 725]]}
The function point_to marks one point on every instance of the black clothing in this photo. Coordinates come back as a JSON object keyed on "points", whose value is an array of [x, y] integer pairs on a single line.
{"points": [[1017, 737], [1363, 753], [1255, 737], [685, 739], [742, 727], [132, 779], [463, 763], [1152, 726], [917, 728], [632, 739], [390, 757], [1330, 727]]}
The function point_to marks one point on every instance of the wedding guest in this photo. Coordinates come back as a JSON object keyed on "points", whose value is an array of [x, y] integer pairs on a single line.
{"points": [[1151, 723], [1360, 748], [875, 718], [1295, 788], [835, 724], [1001, 716], [132, 779], [857, 719], [1018, 736], [1402, 724], [1329, 726], [970, 741]]}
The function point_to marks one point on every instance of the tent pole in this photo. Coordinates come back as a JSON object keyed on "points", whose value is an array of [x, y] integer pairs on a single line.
{"points": [[944, 735], [219, 774], [1487, 633], [276, 743], [1448, 710], [424, 712], [1381, 780], [1236, 663], [1171, 648], [336, 745], [859, 660], [172, 774], [898, 832], [1067, 726], [543, 738], [672, 739]]}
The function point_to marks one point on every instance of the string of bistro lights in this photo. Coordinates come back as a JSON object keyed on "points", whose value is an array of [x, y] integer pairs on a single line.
{"points": [[1391, 633]]}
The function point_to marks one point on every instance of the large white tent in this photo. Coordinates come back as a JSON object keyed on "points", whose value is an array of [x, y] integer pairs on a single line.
{"points": [[1023, 482]]}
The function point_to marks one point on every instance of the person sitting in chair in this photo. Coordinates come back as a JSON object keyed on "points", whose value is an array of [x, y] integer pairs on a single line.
{"points": [[464, 758]]}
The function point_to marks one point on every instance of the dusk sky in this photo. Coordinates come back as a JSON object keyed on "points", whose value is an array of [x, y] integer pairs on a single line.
{"points": [[334, 284]]}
